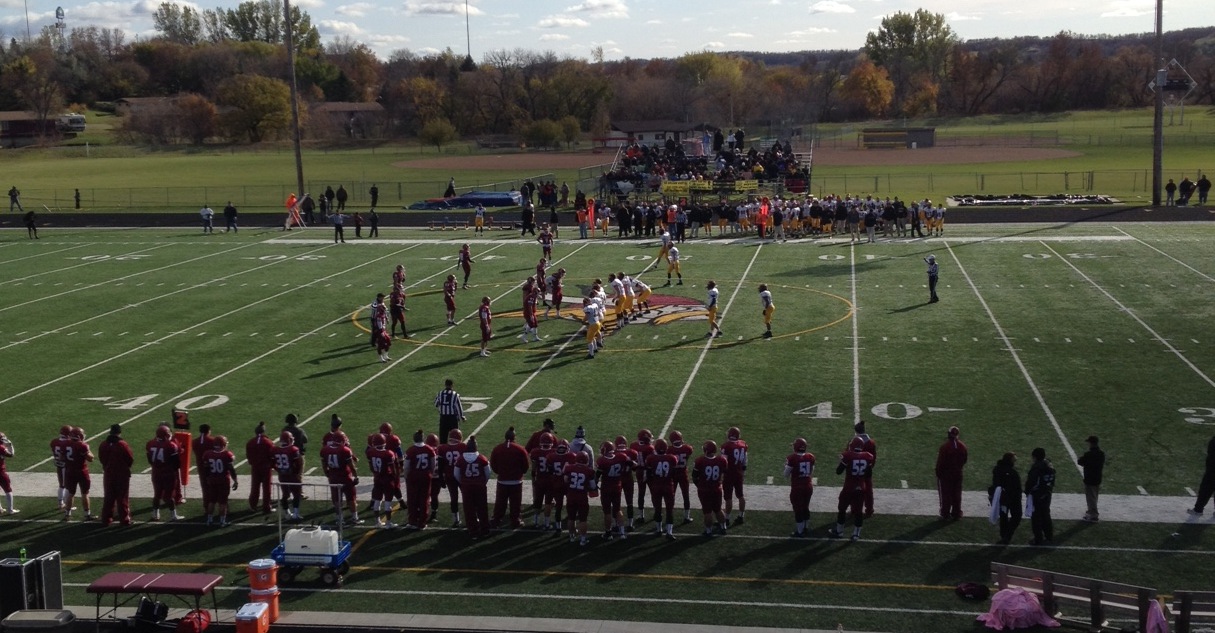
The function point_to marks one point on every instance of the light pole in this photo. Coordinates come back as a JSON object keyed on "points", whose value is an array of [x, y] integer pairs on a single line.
{"points": [[469, 65]]}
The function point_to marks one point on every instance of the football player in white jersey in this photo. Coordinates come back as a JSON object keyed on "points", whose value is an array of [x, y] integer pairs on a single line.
{"points": [[711, 306], [765, 300]]}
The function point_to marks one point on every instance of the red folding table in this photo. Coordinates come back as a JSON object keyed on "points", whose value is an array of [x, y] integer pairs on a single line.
{"points": [[153, 585]]}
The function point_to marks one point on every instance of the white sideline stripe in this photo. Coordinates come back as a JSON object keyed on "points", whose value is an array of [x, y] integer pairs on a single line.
{"points": [[1178, 261], [856, 341], [9, 261], [142, 272], [1163, 341], [306, 334], [73, 266], [167, 337], [1017, 359], [683, 393], [418, 348], [585, 598], [277, 348], [168, 294]]}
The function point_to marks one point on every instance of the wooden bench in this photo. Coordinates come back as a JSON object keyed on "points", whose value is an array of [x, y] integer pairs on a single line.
{"points": [[1054, 590], [444, 225], [1193, 605]]}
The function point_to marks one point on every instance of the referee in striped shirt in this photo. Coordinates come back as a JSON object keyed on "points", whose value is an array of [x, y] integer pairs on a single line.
{"points": [[451, 410]]}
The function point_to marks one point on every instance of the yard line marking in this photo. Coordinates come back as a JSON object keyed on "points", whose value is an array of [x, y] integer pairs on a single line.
{"points": [[770, 479], [156, 298], [903, 483], [708, 345], [1143, 491], [9, 261], [1050, 415], [1155, 335], [170, 335], [1190, 491], [425, 344], [1100, 341], [1178, 261], [136, 274], [98, 333], [88, 263], [310, 470], [169, 401]]}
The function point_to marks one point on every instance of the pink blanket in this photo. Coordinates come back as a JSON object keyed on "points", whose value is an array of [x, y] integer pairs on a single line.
{"points": [[1015, 608]]}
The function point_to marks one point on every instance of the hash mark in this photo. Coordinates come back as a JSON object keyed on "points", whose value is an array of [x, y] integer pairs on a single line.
{"points": [[1100, 341], [1142, 490], [71, 334], [903, 482], [1067, 340], [123, 334], [1190, 491], [253, 335], [1037, 340], [1130, 340], [199, 334], [332, 335], [1194, 340], [915, 340], [98, 333]]}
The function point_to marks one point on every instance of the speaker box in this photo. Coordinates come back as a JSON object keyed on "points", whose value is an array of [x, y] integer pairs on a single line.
{"points": [[18, 586], [49, 581]]}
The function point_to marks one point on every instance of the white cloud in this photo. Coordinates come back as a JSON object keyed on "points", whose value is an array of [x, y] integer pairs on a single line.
{"points": [[954, 16], [814, 30], [1128, 9], [385, 40], [413, 7], [339, 27], [653, 21], [830, 6], [740, 35], [715, 45], [553, 37], [602, 8], [561, 22], [356, 10], [308, 4], [1126, 12]]}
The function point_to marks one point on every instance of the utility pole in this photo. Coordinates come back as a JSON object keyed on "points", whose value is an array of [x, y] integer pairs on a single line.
{"points": [[1158, 115], [295, 108]]}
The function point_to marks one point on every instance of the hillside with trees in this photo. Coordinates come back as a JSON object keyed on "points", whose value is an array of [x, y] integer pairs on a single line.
{"points": [[223, 73]]}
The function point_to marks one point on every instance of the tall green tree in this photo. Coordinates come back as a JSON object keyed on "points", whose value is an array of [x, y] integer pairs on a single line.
{"points": [[177, 23], [262, 21], [32, 78], [256, 107], [913, 48]]}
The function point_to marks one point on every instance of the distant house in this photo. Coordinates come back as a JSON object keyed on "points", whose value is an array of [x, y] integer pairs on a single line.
{"points": [[20, 129], [347, 119], [141, 105]]}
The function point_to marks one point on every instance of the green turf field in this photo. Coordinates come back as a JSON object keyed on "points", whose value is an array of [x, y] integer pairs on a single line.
{"points": [[1045, 334]]}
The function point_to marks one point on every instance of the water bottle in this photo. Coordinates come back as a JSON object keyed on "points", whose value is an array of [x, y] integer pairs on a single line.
{"points": [[22, 555]]}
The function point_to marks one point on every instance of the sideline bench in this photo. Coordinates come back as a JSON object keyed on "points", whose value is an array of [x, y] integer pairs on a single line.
{"points": [[1054, 589], [1193, 605], [470, 223]]}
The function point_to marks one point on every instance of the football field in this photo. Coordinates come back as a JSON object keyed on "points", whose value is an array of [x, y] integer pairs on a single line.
{"points": [[1044, 335]]}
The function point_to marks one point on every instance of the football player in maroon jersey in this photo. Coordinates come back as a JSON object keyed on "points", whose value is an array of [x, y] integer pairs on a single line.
{"points": [[486, 318], [436, 483], [289, 464], [856, 463], [449, 298], [542, 277], [164, 456], [510, 461], [398, 275], [221, 473], [541, 475], [58, 448], [610, 470], [682, 453], [546, 242], [870, 447], [799, 470], [466, 262], [337, 460], [579, 480], [116, 460], [558, 459], [626, 482], [642, 449], [385, 480], [660, 467], [735, 451], [261, 465], [76, 460], [449, 456], [396, 308], [6, 453], [530, 324], [707, 474], [420, 462], [199, 447], [472, 472]]}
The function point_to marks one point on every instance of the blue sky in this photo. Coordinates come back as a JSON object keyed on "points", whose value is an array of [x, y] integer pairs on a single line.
{"points": [[642, 28]]}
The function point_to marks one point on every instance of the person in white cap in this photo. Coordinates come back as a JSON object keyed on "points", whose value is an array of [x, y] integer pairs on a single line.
{"points": [[933, 271]]}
